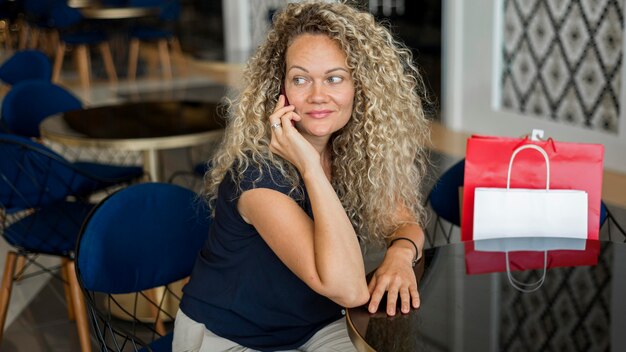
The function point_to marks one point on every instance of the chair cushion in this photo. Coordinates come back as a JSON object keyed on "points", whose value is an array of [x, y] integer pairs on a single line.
{"points": [[52, 230], [143, 236], [33, 176], [444, 197], [21, 116], [25, 65]]}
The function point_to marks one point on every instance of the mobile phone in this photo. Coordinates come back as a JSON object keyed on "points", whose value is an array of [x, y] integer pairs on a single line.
{"points": [[282, 91]]}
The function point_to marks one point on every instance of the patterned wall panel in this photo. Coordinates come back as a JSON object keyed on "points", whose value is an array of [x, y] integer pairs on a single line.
{"points": [[562, 61]]}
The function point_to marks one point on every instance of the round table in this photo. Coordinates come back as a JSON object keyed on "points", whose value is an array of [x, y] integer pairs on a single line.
{"points": [[579, 306], [148, 126], [118, 13]]}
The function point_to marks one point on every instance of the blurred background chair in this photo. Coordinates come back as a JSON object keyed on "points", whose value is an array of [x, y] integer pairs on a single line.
{"points": [[25, 65], [137, 242], [43, 202], [609, 226], [36, 31], [162, 33], [10, 21], [76, 34], [29, 102], [193, 179], [444, 200]]}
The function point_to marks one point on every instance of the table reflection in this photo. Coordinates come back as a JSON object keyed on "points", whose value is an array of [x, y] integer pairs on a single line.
{"points": [[578, 307]]}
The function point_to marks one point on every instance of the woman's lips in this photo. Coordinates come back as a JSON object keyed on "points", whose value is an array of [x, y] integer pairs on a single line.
{"points": [[319, 114]]}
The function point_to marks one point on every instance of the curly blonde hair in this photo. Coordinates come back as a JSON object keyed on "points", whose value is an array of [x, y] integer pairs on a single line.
{"points": [[378, 158]]}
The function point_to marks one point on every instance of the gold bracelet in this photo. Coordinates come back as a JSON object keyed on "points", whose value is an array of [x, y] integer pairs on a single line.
{"points": [[417, 252]]}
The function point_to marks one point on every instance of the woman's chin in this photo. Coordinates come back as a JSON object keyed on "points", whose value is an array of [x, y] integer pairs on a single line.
{"points": [[315, 131], [318, 133]]}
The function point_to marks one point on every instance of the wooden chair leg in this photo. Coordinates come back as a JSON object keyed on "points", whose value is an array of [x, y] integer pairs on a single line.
{"points": [[180, 57], [6, 38], [34, 38], [23, 40], [82, 62], [155, 295], [133, 57], [107, 58], [68, 291], [7, 286], [80, 310], [54, 40], [58, 63], [164, 56]]}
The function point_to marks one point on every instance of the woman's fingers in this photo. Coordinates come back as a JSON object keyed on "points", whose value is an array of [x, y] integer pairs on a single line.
{"points": [[405, 300], [280, 110], [392, 300], [415, 296], [396, 289], [376, 296]]}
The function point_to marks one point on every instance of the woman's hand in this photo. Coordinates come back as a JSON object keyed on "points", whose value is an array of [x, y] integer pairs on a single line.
{"points": [[396, 277], [287, 141]]}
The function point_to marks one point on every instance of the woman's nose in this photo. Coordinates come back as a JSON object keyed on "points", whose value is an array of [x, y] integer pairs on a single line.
{"points": [[318, 93]]}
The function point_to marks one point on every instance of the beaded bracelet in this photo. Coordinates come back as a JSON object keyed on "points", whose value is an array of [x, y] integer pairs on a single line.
{"points": [[417, 252]]}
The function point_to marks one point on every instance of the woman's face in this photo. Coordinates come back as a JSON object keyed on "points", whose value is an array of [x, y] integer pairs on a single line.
{"points": [[319, 84]]}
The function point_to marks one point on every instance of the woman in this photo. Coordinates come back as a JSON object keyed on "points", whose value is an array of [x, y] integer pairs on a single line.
{"points": [[324, 147]]}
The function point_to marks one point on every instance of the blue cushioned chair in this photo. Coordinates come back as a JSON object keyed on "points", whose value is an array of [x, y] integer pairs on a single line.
{"points": [[191, 179], [136, 243], [609, 225], [162, 33], [26, 65], [37, 21], [73, 33], [444, 201], [43, 202], [29, 102]]}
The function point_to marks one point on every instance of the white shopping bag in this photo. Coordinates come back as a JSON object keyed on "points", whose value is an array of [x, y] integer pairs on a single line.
{"points": [[519, 212]]}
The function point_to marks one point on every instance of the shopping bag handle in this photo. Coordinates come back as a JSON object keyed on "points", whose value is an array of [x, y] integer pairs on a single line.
{"points": [[537, 148], [523, 286], [545, 142]]}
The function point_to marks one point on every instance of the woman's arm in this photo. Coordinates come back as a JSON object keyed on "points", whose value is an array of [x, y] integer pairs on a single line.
{"points": [[324, 253], [395, 275]]}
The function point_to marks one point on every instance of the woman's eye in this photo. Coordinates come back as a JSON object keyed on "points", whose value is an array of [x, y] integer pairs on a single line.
{"points": [[298, 81], [335, 79]]}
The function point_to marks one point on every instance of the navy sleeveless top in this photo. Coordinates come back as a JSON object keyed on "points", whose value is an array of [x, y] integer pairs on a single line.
{"points": [[240, 290]]}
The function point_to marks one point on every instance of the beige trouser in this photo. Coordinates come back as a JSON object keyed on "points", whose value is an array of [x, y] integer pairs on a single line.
{"points": [[190, 335]]}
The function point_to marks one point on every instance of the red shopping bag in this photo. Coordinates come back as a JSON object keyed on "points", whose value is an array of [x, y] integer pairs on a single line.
{"points": [[482, 262], [574, 166]]}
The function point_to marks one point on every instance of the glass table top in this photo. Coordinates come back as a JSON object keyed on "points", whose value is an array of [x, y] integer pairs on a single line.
{"points": [[470, 302]]}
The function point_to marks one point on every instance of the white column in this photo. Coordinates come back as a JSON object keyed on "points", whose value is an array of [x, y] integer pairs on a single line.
{"points": [[237, 36]]}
